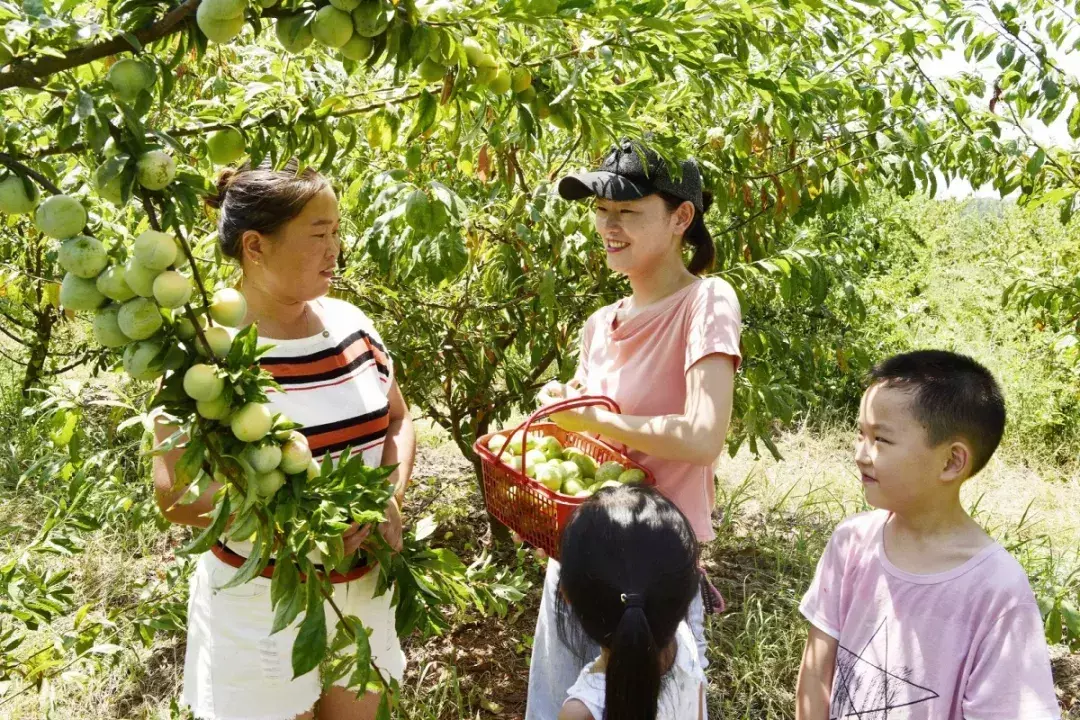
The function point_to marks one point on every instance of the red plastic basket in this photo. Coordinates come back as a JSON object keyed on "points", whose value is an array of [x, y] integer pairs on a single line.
{"points": [[525, 505]]}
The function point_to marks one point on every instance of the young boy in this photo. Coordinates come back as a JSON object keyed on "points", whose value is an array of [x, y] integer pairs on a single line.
{"points": [[915, 612]]}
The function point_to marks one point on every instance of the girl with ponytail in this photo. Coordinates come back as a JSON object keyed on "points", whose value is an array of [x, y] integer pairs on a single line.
{"points": [[629, 573], [667, 354]]}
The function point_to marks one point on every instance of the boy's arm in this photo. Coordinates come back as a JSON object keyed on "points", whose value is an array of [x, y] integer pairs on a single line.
{"points": [[814, 691]]}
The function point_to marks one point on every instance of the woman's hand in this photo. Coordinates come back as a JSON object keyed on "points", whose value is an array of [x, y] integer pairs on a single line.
{"points": [[569, 420], [392, 531]]}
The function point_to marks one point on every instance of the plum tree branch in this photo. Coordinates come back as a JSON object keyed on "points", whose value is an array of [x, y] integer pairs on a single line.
{"points": [[13, 164], [30, 74]]}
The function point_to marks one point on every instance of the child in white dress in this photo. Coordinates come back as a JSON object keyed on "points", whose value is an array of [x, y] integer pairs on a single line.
{"points": [[629, 573]]}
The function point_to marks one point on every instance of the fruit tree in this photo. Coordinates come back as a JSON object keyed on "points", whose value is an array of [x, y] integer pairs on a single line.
{"points": [[443, 124]]}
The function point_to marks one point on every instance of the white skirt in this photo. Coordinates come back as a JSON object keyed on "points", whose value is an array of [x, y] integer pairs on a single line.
{"points": [[236, 670]]}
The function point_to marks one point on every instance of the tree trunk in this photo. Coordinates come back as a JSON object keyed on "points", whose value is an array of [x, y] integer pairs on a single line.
{"points": [[39, 351]]}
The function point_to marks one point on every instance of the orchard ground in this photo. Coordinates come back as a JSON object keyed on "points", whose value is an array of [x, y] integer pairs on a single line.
{"points": [[772, 518]]}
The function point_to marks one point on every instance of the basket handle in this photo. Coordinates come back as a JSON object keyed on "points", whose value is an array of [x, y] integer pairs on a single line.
{"points": [[568, 404]]}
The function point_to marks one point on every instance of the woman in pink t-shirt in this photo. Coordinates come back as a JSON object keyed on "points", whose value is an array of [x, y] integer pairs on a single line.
{"points": [[667, 355]]}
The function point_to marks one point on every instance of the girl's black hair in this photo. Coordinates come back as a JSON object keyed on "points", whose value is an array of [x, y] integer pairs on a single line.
{"points": [[629, 573], [697, 235]]}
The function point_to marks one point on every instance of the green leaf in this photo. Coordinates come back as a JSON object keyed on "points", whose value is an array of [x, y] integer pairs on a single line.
{"points": [[190, 463], [1053, 626], [310, 646], [380, 135], [384, 707], [256, 561], [286, 579], [1036, 162], [1051, 90], [209, 536], [288, 607], [362, 673], [1074, 122], [424, 117]]}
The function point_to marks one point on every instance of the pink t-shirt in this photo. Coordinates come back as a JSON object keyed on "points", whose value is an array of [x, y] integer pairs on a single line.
{"points": [[966, 644], [641, 364]]}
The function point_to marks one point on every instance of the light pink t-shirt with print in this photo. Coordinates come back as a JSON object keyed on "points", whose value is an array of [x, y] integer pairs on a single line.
{"points": [[966, 644], [641, 363]]}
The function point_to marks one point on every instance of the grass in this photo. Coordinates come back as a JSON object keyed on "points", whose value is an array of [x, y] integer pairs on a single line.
{"points": [[773, 517]]}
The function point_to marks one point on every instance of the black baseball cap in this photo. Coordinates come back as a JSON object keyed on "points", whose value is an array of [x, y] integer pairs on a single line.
{"points": [[632, 171]]}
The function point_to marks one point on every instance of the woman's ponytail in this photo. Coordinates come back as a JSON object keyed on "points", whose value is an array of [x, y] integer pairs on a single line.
{"points": [[697, 235], [633, 670]]}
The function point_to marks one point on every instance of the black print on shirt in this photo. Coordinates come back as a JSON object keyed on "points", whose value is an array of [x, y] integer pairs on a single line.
{"points": [[865, 690]]}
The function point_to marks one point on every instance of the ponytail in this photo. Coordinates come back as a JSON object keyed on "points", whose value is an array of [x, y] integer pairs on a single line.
{"points": [[633, 671], [697, 235], [627, 538]]}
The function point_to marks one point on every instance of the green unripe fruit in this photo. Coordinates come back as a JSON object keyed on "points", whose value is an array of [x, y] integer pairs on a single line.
{"points": [[263, 458], [521, 79], [216, 409], [60, 216], [139, 360], [370, 18], [223, 8], [332, 27], [358, 48], [225, 146], [485, 74], [295, 454], [185, 329], [171, 289], [269, 483], [18, 197], [570, 469], [572, 487], [476, 54], [431, 71], [251, 423], [632, 476], [155, 250], [500, 83], [346, 5], [609, 471], [267, 3], [228, 307], [111, 284], [202, 383], [140, 278], [129, 77], [527, 95], [140, 318], [155, 170], [83, 256], [107, 328], [219, 339], [218, 26], [585, 464], [293, 34], [550, 476], [80, 294], [112, 189]]}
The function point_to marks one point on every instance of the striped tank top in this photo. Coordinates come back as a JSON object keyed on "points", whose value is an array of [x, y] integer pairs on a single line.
{"points": [[335, 383]]}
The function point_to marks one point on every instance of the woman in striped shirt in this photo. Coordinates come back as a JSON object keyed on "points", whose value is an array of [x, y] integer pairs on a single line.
{"points": [[337, 379]]}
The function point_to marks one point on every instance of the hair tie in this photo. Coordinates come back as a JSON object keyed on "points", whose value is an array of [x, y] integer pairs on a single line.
{"points": [[631, 600]]}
